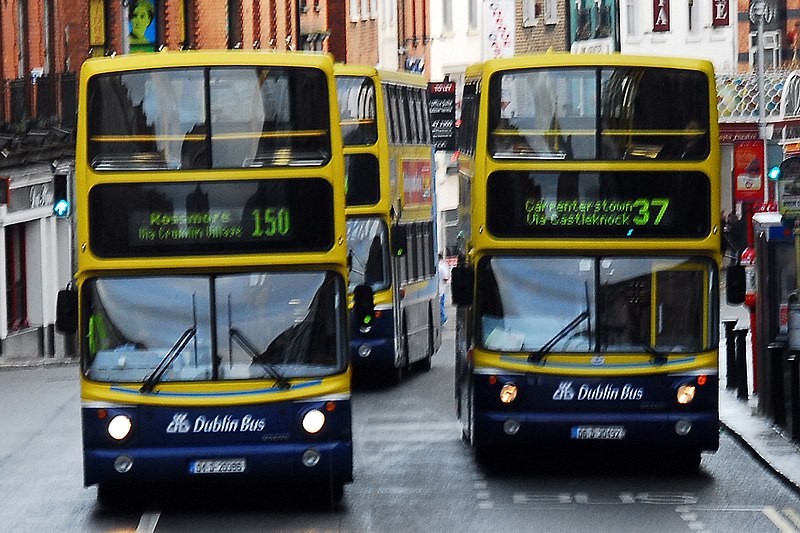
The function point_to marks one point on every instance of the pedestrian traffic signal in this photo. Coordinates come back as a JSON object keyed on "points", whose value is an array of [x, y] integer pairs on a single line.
{"points": [[61, 205], [774, 173]]}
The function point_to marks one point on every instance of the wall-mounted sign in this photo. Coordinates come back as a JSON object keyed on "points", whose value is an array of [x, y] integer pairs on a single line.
{"points": [[748, 170], [498, 29], [720, 15], [660, 15], [442, 110]]}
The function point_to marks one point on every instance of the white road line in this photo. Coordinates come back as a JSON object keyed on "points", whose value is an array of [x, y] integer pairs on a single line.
{"points": [[780, 522], [792, 515], [148, 522]]}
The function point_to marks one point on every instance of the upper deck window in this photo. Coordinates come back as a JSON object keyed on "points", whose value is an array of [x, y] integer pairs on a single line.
{"points": [[201, 118], [356, 96], [602, 114]]}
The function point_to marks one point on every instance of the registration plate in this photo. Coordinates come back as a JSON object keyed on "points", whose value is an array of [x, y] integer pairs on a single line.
{"points": [[598, 432], [217, 466]]}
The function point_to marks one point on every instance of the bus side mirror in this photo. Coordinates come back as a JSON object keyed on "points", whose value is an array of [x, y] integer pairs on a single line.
{"points": [[67, 312], [461, 285], [735, 284], [363, 306], [399, 240]]}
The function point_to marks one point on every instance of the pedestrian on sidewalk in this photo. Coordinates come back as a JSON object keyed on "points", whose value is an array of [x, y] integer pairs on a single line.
{"points": [[444, 279]]}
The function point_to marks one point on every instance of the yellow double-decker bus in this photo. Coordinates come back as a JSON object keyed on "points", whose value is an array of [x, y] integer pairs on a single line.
{"points": [[391, 232], [588, 278], [210, 297]]}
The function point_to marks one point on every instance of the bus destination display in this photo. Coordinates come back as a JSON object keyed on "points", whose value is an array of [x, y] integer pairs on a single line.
{"points": [[254, 216], [598, 204]]}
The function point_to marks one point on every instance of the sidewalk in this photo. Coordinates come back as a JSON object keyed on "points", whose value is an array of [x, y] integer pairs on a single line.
{"points": [[741, 419]]}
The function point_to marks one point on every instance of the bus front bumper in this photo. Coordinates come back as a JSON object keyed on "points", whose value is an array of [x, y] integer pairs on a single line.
{"points": [[675, 430], [330, 461]]}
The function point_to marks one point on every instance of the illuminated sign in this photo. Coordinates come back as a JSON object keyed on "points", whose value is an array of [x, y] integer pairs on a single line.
{"points": [[196, 218], [598, 204]]}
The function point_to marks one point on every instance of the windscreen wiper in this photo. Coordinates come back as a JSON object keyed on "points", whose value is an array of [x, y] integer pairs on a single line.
{"points": [[547, 347], [155, 377], [241, 340], [658, 358]]}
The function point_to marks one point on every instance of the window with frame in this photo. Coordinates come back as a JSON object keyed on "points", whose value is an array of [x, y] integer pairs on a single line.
{"points": [[630, 17], [529, 18], [550, 11], [472, 14], [772, 49], [354, 10], [447, 16]]}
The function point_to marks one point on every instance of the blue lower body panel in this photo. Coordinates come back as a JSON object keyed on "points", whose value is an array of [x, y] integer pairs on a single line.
{"points": [[268, 461], [641, 430]]}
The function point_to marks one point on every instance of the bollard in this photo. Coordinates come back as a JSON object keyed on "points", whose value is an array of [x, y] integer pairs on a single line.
{"points": [[777, 398], [741, 363], [793, 380], [730, 347]]}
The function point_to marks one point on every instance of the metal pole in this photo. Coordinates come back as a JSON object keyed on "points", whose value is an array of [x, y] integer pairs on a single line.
{"points": [[762, 119]]}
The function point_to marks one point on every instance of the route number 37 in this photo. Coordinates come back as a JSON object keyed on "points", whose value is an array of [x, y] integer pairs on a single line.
{"points": [[644, 209]]}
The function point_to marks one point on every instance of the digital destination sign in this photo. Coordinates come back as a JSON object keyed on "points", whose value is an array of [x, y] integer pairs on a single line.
{"points": [[175, 219], [598, 204]]}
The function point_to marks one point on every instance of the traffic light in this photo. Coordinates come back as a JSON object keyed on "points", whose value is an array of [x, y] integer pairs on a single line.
{"points": [[61, 204], [363, 306], [774, 173]]}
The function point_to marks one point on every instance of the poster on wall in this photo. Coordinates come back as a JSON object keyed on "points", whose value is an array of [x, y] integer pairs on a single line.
{"points": [[142, 25], [498, 29], [748, 171]]}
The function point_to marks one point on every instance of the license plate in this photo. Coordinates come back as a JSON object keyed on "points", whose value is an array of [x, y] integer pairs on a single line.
{"points": [[217, 466], [598, 432]]}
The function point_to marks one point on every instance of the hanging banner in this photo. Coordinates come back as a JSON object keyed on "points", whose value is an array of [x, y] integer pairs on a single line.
{"points": [[748, 171], [498, 29]]}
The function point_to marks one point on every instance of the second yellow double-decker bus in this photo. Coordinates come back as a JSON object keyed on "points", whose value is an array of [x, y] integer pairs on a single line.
{"points": [[390, 219], [211, 301], [588, 278]]}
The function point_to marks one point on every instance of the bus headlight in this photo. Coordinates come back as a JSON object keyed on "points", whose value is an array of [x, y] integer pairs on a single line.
{"points": [[119, 427], [313, 421], [686, 393], [508, 393]]}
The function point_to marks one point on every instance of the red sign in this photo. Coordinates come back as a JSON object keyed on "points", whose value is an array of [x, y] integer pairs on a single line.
{"points": [[660, 15], [417, 183], [721, 13], [748, 171]]}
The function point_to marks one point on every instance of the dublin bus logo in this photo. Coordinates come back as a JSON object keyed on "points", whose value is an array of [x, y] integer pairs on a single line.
{"points": [[179, 424], [564, 391]]}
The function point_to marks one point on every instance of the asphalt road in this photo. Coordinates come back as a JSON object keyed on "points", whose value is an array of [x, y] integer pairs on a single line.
{"points": [[412, 473]]}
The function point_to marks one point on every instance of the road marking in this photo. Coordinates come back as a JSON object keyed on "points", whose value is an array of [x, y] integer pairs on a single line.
{"points": [[785, 526], [148, 522], [792, 515]]}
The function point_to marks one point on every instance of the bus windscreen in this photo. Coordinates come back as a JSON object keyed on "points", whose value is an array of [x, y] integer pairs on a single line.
{"points": [[657, 204], [211, 217]]}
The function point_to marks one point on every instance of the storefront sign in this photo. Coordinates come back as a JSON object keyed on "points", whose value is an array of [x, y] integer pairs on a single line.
{"points": [[748, 170], [660, 15], [721, 13]]}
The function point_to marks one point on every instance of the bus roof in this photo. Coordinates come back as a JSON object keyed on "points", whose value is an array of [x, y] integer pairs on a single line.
{"points": [[561, 59], [199, 58], [404, 78]]}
